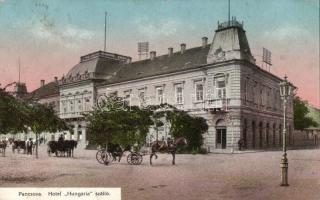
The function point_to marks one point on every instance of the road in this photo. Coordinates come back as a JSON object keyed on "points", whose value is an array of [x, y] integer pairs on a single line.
{"points": [[194, 177]]}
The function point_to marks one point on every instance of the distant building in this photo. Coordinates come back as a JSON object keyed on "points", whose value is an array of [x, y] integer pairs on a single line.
{"points": [[218, 81]]}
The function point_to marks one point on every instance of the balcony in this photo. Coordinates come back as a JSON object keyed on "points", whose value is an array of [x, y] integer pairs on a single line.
{"points": [[72, 115], [220, 104]]}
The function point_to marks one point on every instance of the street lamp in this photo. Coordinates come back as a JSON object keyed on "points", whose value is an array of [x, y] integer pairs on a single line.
{"points": [[285, 92]]}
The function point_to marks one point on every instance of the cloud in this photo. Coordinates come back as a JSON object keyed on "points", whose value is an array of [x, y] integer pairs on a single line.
{"points": [[166, 27], [287, 32], [66, 35]]}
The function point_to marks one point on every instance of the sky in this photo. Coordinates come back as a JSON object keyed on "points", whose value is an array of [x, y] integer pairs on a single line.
{"points": [[49, 36]]}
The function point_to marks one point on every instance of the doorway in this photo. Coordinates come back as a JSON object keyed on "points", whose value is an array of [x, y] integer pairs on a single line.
{"points": [[221, 138]]}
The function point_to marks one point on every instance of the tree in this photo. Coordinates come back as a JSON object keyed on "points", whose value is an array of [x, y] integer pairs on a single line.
{"points": [[17, 116], [181, 123], [42, 118], [190, 127], [115, 121], [301, 120], [13, 114]]}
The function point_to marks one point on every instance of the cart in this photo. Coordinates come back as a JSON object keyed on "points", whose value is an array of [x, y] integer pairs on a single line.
{"points": [[105, 157]]}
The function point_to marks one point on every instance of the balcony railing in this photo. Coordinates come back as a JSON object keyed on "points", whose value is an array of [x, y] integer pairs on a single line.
{"points": [[219, 104], [104, 54], [230, 23], [71, 79]]}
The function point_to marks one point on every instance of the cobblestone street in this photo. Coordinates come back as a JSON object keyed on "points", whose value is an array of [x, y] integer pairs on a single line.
{"points": [[195, 177]]}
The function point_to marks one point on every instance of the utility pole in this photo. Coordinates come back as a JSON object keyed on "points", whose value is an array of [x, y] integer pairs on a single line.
{"points": [[105, 31]]}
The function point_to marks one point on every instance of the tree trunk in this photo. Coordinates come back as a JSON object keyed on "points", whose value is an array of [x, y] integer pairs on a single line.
{"points": [[37, 146]]}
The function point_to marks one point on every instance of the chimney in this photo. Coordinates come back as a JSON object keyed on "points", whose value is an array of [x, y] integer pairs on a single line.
{"points": [[204, 42], [183, 48], [56, 79], [152, 55], [41, 83], [170, 51]]}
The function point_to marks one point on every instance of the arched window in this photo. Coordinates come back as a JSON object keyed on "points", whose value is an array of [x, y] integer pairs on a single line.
{"points": [[79, 132]]}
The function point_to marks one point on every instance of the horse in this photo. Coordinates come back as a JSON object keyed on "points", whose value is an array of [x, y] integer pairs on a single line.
{"points": [[169, 148], [70, 146], [62, 147], [3, 146], [17, 144], [116, 151]]}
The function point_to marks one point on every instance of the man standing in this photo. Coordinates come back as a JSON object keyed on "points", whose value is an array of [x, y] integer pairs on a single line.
{"points": [[29, 146]]}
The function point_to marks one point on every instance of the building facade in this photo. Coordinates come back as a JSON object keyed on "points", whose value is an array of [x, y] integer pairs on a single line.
{"points": [[218, 81]]}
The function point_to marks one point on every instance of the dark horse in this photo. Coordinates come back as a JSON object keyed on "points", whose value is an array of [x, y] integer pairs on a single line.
{"points": [[18, 144], [169, 148], [62, 147], [116, 151], [3, 146]]}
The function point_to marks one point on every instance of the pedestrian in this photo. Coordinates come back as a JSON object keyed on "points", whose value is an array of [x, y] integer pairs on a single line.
{"points": [[241, 144], [29, 146]]}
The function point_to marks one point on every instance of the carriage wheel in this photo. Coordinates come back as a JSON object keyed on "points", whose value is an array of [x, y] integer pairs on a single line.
{"points": [[102, 156], [134, 159], [129, 160]]}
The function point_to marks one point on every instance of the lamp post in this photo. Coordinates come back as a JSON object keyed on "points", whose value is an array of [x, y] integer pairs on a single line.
{"points": [[285, 92]]}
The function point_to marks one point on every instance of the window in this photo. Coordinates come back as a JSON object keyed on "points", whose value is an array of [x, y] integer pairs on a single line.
{"points": [[254, 92], [220, 85], [71, 106], [199, 91], [246, 89], [127, 96], [64, 106], [142, 98], [268, 97], [80, 105], [159, 95], [87, 103], [221, 89], [113, 94], [179, 94]]}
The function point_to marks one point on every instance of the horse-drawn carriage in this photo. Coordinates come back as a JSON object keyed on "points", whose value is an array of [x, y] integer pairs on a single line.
{"points": [[105, 156], [61, 148], [110, 154]]}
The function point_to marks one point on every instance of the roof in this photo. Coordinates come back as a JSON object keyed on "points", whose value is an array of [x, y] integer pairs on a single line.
{"points": [[49, 89], [100, 63], [191, 58]]}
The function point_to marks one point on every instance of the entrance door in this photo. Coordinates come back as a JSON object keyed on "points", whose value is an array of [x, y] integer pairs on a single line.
{"points": [[221, 138]]}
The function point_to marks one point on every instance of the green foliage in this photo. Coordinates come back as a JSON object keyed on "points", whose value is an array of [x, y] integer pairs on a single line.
{"points": [[115, 121], [301, 120], [41, 118], [13, 114], [17, 115], [190, 127]]}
